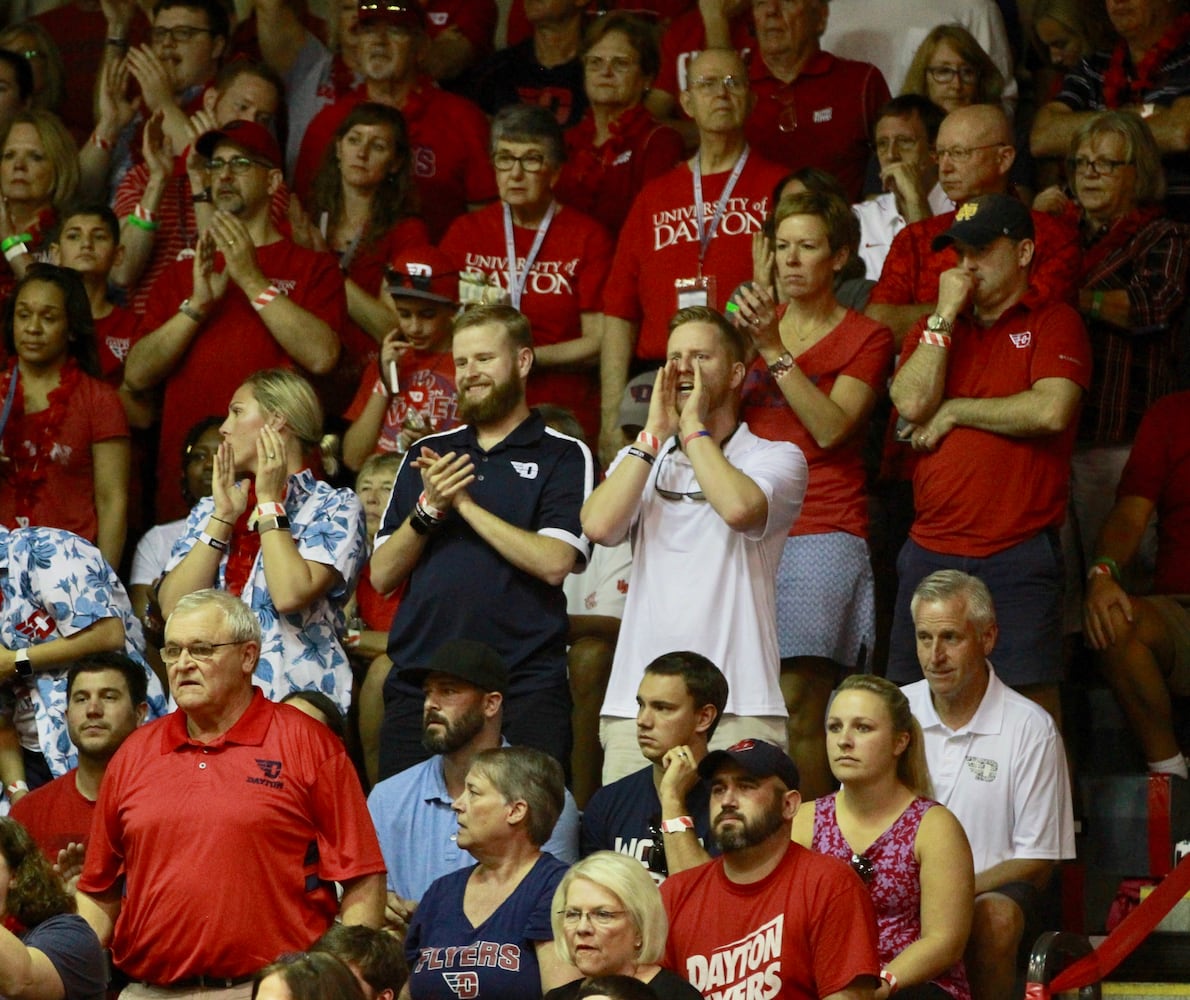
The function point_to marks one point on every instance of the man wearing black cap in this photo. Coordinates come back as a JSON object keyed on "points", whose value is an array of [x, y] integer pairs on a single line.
{"points": [[464, 684], [250, 299], [768, 917], [990, 387]]}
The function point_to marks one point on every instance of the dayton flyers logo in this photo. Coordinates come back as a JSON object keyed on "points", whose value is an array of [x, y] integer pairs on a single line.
{"points": [[39, 626], [464, 984], [1021, 340]]}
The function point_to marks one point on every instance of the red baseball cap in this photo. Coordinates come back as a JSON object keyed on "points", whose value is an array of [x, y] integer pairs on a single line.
{"points": [[424, 273], [254, 139]]}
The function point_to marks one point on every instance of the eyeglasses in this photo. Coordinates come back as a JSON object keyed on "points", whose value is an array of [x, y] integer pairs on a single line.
{"points": [[531, 163], [598, 918], [617, 64], [863, 867], [694, 496], [655, 859], [203, 652], [1100, 165], [961, 154], [946, 74], [711, 84], [239, 164], [179, 35]]}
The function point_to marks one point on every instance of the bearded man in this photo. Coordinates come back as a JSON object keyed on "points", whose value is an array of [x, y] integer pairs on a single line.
{"points": [[483, 523]]}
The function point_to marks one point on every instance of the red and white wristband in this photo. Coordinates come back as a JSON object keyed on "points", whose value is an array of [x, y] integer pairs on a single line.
{"points": [[935, 339], [891, 979], [678, 824], [265, 297]]}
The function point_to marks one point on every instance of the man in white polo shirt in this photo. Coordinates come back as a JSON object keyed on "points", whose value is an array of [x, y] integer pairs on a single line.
{"points": [[997, 762], [707, 506]]}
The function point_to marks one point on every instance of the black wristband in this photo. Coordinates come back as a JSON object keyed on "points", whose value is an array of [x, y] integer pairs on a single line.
{"points": [[422, 523], [642, 455]]}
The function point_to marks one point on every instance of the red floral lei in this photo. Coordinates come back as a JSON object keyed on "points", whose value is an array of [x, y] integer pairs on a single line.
{"points": [[1118, 89], [29, 439]]}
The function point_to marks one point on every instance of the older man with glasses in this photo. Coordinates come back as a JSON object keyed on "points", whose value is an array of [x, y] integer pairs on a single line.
{"points": [[221, 830], [249, 299], [702, 498]]}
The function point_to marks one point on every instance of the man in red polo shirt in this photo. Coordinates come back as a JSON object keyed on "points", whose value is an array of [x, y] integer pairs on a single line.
{"points": [[812, 109], [990, 385], [221, 828]]}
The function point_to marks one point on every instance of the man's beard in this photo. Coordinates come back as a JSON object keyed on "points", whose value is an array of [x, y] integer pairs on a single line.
{"points": [[501, 400], [749, 834], [452, 737]]}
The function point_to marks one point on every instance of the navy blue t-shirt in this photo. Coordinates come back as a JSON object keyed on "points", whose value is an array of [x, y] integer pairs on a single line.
{"points": [[449, 958], [75, 953], [619, 817], [461, 587]]}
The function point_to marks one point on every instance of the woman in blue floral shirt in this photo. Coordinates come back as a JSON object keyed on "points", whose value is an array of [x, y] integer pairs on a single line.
{"points": [[290, 545]]}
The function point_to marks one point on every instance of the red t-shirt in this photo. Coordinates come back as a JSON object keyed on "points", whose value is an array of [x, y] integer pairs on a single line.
{"points": [[115, 334], [805, 930], [230, 848], [1159, 470], [66, 496], [565, 282], [912, 268], [685, 38], [428, 395], [836, 499], [232, 343], [603, 181], [980, 493], [55, 815], [832, 107], [451, 165], [659, 245]]}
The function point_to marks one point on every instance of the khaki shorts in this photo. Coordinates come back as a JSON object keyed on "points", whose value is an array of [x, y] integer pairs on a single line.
{"points": [[1174, 611]]}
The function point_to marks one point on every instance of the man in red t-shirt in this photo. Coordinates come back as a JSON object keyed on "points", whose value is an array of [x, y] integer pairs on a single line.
{"points": [[768, 917], [1144, 642], [106, 699], [249, 299], [990, 388]]}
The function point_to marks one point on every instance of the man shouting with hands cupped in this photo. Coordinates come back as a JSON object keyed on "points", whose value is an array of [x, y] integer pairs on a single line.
{"points": [[707, 505]]}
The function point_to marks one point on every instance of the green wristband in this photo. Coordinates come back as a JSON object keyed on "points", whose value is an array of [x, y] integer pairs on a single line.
{"points": [[12, 241]]}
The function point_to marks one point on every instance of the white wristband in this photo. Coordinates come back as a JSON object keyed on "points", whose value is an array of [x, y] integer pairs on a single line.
{"points": [[15, 251]]}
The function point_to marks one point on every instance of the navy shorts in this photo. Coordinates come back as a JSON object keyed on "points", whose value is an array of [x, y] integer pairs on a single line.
{"points": [[1026, 582]]}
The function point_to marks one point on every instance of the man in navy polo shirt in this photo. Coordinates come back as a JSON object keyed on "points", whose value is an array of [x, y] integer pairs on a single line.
{"points": [[484, 524]]}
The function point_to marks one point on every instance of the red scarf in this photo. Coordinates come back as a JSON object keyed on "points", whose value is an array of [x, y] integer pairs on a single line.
{"points": [[244, 544], [1118, 89], [587, 163], [29, 439]]}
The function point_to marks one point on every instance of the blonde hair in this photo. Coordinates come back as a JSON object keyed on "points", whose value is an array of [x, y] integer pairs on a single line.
{"points": [[286, 393], [988, 87], [912, 771], [59, 148]]}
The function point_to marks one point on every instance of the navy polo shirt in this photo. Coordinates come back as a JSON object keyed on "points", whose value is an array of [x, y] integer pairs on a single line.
{"points": [[462, 588]]}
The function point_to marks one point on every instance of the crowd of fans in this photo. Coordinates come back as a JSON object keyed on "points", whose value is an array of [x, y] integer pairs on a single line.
{"points": [[578, 406]]}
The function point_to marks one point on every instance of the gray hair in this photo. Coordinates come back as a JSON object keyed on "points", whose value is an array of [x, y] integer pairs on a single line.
{"points": [[628, 880], [1140, 149], [530, 123], [949, 583], [523, 774], [239, 618]]}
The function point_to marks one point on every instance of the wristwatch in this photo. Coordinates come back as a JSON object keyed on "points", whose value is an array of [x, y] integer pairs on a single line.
{"points": [[24, 667], [939, 324], [782, 365]]}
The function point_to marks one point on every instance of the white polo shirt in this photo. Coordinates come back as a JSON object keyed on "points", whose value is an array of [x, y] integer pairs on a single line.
{"points": [[879, 222], [1003, 775]]}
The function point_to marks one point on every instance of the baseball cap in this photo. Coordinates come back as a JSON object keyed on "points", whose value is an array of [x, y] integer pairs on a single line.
{"points": [[759, 758], [634, 404], [474, 662], [399, 13], [253, 138], [424, 273], [982, 220]]}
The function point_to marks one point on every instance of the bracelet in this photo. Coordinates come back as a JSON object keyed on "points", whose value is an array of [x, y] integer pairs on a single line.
{"points": [[187, 310], [1096, 303], [269, 508], [695, 434], [15, 251], [99, 142], [216, 543], [677, 825], [16, 786], [429, 509], [891, 979], [9, 242], [642, 454], [265, 297], [649, 441], [935, 339], [380, 389], [422, 522], [783, 365], [145, 214], [144, 224], [272, 523], [1109, 564], [230, 524], [1098, 570], [201, 198]]}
